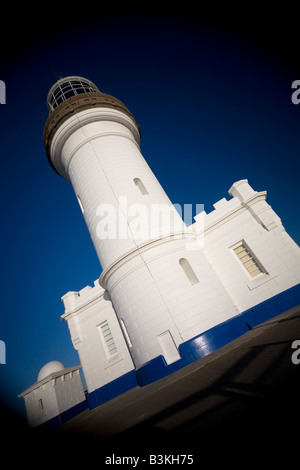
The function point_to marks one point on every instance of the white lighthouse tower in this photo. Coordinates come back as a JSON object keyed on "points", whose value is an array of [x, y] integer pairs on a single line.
{"points": [[150, 272], [168, 294], [163, 299]]}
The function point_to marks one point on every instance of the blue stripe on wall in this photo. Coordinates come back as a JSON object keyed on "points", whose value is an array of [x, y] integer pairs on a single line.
{"points": [[112, 389], [274, 306]]}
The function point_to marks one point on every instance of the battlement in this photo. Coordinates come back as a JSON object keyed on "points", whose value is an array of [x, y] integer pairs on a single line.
{"points": [[74, 300], [243, 198]]}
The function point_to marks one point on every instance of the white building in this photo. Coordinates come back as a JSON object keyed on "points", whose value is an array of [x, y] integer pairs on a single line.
{"points": [[56, 396], [168, 294]]}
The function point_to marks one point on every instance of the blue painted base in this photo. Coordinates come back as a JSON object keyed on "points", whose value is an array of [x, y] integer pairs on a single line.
{"points": [[190, 351], [112, 389], [193, 349], [219, 336], [62, 418], [274, 306]]}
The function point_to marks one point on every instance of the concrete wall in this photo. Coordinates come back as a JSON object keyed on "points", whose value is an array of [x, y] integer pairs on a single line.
{"points": [[52, 396], [36, 413]]}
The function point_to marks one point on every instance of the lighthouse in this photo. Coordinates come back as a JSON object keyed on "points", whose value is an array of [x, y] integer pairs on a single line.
{"points": [[142, 243], [168, 293]]}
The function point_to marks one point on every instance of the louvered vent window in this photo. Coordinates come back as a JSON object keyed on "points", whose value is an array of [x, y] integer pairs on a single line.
{"points": [[248, 260], [109, 342], [126, 333]]}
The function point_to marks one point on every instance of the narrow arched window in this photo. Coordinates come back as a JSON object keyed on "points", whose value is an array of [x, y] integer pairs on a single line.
{"points": [[126, 333], [141, 186], [80, 204], [188, 270]]}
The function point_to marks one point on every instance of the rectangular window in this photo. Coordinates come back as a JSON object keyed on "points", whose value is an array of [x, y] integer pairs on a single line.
{"points": [[248, 260], [108, 340]]}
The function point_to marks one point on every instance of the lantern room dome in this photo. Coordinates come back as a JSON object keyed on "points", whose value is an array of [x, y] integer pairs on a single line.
{"points": [[66, 87]]}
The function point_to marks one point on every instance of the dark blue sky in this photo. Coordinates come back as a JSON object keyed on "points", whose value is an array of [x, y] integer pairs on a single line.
{"points": [[212, 96]]}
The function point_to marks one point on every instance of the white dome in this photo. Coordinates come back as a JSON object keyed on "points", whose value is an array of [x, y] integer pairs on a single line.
{"points": [[50, 368]]}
